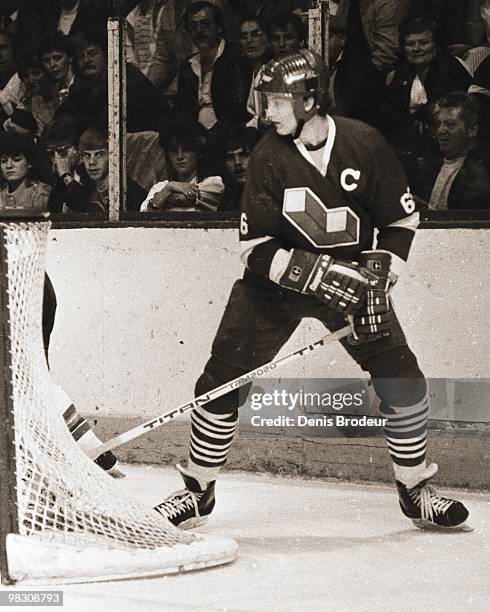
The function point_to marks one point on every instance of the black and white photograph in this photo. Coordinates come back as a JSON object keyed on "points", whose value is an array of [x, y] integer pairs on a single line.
{"points": [[244, 254]]}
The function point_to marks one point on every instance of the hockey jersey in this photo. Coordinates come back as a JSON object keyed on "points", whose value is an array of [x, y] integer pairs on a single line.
{"points": [[335, 209]]}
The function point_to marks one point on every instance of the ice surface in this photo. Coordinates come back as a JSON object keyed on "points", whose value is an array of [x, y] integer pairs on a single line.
{"points": [[309, 545]]}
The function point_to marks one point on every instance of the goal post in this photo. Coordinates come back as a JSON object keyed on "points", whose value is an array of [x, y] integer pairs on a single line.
{"points": [[63, 519], [8, 492]]}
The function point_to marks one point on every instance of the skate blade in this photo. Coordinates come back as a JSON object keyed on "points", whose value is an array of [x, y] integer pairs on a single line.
{"points": [[192, 523], [430, 526]]}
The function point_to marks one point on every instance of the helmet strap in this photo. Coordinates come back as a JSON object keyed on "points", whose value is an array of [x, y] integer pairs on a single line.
{"points": [[302, 115]]}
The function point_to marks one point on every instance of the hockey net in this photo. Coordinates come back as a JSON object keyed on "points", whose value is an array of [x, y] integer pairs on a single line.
{"points": [[68, 520]]}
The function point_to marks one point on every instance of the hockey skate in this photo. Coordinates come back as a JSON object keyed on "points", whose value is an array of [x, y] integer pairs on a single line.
{"points": [[189, 507], [429, 510]]}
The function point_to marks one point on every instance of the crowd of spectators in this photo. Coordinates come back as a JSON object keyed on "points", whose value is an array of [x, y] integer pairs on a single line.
{"points": [[418, 70]]}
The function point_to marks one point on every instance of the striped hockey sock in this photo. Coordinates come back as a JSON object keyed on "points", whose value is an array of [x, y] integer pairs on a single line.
{"points": [[406, 435], [211, 438]]}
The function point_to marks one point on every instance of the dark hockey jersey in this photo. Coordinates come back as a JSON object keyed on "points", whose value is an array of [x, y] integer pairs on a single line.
{"points": [[363, 187]]}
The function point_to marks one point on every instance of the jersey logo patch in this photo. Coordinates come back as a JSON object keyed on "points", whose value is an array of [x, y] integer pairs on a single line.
{"points": [[322, 226], [348, 178]]}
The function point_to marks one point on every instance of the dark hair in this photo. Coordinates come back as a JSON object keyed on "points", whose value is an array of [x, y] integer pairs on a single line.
{"points": [[418, 25], [185, 132], [65, 130], [191, 135], [15, 144], [282, 20], [240, 137], [94, 137], [56, 41], [28, 57], [251, 16], [218, 14], [467, 103], [96, 37]]}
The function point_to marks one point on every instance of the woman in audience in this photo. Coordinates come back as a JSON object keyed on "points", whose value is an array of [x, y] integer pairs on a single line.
{"points": [[190, 187], [426, 72], [18, 189]]}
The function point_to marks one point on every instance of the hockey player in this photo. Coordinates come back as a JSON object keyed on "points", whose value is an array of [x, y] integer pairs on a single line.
{"points": [[317, 188]]}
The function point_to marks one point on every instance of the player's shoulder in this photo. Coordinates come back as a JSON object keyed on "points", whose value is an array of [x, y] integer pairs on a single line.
{"points": [[358, 132]]}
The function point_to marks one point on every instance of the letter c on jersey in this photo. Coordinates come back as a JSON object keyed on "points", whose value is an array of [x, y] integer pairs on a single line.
{"points": [[349, 173]]}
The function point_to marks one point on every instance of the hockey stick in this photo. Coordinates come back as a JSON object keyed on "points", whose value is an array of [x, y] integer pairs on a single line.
{"points": [[236, 383]]}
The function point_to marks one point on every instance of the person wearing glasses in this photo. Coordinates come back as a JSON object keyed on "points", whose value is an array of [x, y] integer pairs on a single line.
{"points": [[255, 51], [71, 190]]}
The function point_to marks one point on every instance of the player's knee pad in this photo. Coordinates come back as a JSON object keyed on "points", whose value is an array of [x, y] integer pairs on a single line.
{"points": [[215, 374], [397, 378]]}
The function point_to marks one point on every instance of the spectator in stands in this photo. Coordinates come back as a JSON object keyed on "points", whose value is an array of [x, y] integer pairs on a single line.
{"points": [[41, 97], [255, 52], [56, 52], [254, 43], [355, 83], [426, 72], [191, 187], [461, 180], [174, 45], [94, 151], [76, 16], [87, 97], [237, 147], [373, 30], [210, 87], [287, 34], [18, 189], [72, 189]]}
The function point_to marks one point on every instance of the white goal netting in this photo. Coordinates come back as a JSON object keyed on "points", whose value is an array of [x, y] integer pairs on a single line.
{"points": [[75, 523]]}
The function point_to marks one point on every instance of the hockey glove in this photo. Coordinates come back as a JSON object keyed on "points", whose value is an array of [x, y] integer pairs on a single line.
{"points": [[340, 284], [374, 318]]}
